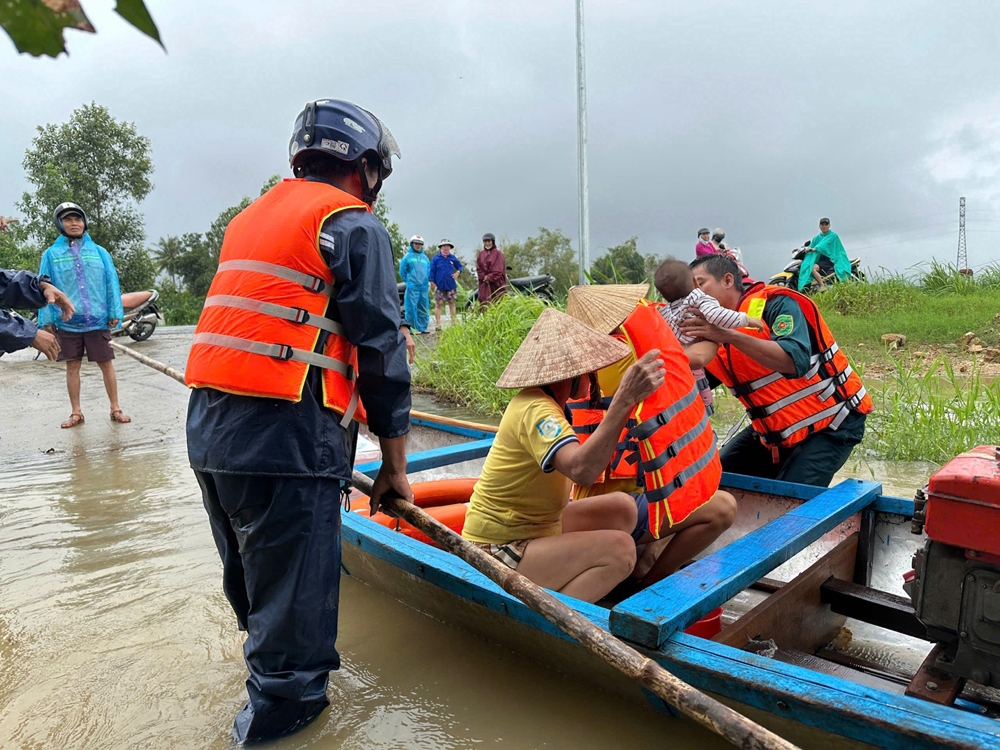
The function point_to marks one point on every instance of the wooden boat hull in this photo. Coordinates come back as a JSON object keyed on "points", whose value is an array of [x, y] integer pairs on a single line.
{"points": [[787, 531]]}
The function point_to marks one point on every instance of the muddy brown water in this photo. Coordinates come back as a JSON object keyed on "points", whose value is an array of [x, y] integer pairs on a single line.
{"points": [[114, 632]]}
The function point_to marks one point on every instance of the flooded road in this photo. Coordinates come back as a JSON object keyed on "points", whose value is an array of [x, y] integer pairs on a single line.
{"points": [[114, 632]]}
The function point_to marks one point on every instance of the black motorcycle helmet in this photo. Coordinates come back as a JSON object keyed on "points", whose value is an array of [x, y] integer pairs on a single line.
{"points": [[66, 209], [347, 132], [489, 236]]}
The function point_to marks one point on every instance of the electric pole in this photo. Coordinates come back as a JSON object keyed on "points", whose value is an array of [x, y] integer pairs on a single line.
{"points": [[581, 145], [963, 258]]}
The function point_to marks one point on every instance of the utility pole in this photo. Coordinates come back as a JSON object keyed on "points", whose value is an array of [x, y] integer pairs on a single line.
{"points": [[963, 258], [581, 145]]}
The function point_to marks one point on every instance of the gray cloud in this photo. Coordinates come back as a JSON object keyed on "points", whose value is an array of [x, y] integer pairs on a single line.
{"points": [[759, 117]]}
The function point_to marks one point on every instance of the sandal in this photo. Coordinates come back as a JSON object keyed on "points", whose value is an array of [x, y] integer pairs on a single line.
{"points": [[120, 417], [75, 419]]}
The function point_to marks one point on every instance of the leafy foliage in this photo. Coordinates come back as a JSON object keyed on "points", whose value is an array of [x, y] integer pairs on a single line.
{"points": [[16, 252], [104, 166], [381, 211], [550, 251], [623, 264], [36, 26]]}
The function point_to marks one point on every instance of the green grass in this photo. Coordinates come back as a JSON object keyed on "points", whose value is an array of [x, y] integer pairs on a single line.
{"points": [[934, 308], [469, 358]]}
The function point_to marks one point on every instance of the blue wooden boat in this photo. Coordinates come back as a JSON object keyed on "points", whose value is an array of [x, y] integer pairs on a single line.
{"points": [[796, 563]]}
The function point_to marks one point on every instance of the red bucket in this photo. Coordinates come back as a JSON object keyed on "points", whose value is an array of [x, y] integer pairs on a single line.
{"points": [[708, 626]]}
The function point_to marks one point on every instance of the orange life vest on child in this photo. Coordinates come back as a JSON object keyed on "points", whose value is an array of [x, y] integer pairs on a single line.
{"points": [[668, 445], [270, 301], [785, 411]]}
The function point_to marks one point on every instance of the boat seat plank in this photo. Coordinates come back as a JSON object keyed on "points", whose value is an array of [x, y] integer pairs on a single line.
{"points": [[795, 617], [436, 457], [742, 482], [652, 615]]}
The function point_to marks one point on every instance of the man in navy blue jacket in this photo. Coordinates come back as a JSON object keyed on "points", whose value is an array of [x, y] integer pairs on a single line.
{"points": [[445, 268], [25, 289]]}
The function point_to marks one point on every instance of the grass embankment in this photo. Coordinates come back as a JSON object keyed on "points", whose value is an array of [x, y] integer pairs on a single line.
{"points": [[926, 407]]}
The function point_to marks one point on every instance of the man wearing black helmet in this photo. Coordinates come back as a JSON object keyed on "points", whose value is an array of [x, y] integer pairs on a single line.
{"points": [[491, 268], [298, 341]]}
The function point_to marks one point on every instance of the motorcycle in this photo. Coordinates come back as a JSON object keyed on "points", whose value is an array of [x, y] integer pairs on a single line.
{"points": [[789, 275], [540, 286], [142, 315]]}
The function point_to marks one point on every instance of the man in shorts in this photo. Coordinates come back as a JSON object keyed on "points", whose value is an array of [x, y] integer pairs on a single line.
{"points": [[445, 269], [84, 270]]}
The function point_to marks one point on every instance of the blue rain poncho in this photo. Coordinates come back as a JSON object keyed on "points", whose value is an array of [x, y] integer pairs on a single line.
{"points": [[85, 272], [414, 269], [828, 244]]}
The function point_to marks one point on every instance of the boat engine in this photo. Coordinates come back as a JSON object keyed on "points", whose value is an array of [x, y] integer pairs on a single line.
{"points": [[956, 579]]}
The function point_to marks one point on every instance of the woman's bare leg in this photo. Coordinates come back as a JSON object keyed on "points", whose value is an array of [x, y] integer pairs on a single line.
{"points": [[582, 564], [615, 510]]}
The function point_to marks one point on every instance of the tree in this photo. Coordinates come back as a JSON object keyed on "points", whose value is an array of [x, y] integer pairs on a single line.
{"points": [[16, 252], [549, 252], [167, 253], [217, 231], [381, 211], [623, 264], [196, 266], [36, 26], [103, 165]]}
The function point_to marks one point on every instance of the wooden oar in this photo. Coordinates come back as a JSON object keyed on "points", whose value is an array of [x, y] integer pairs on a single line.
{"points": [[693, 703]]}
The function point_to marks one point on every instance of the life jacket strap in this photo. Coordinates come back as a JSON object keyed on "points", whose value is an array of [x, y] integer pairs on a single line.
{"points": [[647, 427], [585, 404], [742, 390], [672, 450], [838, 411], [825, 388], [662, 493], [277, 351], [292, 314], [305, 280]]}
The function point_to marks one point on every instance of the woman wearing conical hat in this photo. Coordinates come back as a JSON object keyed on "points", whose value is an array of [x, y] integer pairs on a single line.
{"points": [[518, 512], [605, 308]]}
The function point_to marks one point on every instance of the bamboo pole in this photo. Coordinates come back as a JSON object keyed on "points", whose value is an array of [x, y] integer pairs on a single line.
{"points": [[710, 713], [700, 708], [150, 362], [453, 422]]}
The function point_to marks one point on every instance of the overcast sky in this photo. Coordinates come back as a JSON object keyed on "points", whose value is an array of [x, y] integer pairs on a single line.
{"points": [[756, 116]]}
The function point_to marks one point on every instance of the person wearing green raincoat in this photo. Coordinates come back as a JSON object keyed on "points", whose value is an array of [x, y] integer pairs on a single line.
{"points": [[827, 244]]}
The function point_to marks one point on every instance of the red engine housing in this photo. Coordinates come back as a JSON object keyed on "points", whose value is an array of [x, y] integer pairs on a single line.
{"points": [[963, 501]]}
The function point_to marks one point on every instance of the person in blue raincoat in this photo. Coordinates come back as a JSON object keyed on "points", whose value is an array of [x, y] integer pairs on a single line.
{"points": [[445, 269], [827, 244], [415, 271], [84, 270]]}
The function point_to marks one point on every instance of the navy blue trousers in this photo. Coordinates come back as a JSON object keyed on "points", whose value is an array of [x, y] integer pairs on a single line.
{"points": [[279, 539]]}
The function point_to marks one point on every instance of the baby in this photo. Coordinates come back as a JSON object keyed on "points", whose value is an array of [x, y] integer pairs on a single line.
{"points": [[675, 283]]}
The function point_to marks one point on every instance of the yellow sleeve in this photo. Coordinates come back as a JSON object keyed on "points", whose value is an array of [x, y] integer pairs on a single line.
{"points": [[544, 430]]}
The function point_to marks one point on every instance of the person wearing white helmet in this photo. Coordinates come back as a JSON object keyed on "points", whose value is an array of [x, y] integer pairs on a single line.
{"points": [[415, 270]]}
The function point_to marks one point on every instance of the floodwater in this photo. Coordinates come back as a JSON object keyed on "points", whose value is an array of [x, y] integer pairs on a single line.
{"points": [[114, 632]]}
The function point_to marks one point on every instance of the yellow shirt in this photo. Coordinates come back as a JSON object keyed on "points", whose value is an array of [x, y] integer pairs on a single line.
{"points": [[610, 378], [520, 495]]}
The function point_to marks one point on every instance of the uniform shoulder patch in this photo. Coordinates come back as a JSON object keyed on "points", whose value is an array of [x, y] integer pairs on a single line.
{"points": [[783, 325], [549, 428]]}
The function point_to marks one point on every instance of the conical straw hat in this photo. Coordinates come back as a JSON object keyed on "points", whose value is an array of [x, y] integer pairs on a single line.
{"points": [[603, 307], [559, 347]]}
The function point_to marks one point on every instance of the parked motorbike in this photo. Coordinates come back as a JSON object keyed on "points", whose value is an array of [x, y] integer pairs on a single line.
{"points": [[540, 286], [789, 275], [142, 315]]}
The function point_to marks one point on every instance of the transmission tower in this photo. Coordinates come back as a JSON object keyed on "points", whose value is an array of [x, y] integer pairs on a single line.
{"points": [[963, 258]]}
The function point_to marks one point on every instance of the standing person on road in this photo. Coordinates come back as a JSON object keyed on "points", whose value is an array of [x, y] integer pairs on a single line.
{"points": [[272, 428], [414, 270], [445, 269], [24, 289], [827, 244], [491, 268], [806, 405], [85, 271]]}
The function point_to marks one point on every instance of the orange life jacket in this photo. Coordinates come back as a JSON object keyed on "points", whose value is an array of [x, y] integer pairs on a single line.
{"points": [[668, 445], [785, 411], [270, 301]]}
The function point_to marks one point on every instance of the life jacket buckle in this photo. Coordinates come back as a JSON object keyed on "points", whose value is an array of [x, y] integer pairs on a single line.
{"points": [[285, 352], [301, 315], [317, 285]]}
